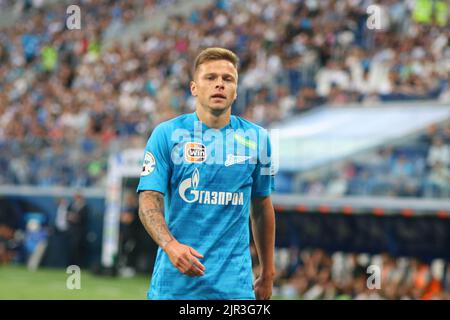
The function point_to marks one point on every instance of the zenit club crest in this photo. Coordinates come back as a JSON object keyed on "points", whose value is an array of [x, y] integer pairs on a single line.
{"points": [[194, 152]]}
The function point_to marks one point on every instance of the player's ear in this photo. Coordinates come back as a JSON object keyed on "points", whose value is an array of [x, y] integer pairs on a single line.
{"points": [[235, 93], [193, 86]]}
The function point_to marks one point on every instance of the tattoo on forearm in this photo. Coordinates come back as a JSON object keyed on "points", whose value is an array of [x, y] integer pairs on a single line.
{"points": [[151, 213]]}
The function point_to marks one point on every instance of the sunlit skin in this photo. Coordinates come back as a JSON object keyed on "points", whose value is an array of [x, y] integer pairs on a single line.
{"points": [[215, 87]]}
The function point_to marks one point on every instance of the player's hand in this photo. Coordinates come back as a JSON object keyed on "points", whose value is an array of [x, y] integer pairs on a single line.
{"points": [[263, 288], [184, 258]]}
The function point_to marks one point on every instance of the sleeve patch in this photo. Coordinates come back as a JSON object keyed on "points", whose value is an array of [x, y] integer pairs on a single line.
{"points": [[149, 164]]}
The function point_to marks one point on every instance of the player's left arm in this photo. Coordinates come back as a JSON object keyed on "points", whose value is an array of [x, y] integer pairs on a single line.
{"points": [[263, 228]]}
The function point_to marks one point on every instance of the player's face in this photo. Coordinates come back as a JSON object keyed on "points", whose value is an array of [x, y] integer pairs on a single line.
{"points": [[215, 85]]}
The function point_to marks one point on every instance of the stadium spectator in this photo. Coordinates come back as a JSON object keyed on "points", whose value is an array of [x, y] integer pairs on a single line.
{"points": [[9, 223], [6, 236], [129, 237], [438, 181], [438, 152], [77, 220], [57, 253]]}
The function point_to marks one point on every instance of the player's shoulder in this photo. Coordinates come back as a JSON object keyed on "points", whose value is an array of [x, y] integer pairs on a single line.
{"points": [[173, 123]]}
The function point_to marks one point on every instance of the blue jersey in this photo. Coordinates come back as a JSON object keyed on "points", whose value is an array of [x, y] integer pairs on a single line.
{"points": [[208, 177]]}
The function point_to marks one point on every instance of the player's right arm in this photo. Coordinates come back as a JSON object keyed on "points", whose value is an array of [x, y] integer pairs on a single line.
{"points": [[153, 184], [151, 213]]}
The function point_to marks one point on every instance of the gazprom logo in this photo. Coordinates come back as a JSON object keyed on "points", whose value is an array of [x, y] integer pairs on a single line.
{"points": [[190, 184], [189, 193], [195, 178]]}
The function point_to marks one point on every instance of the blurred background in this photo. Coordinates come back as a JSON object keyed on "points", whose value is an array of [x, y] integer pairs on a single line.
{"points": [[362, 119]]}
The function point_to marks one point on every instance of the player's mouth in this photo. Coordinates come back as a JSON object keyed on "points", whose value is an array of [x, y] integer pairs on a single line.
{"points": [[219, 96]]}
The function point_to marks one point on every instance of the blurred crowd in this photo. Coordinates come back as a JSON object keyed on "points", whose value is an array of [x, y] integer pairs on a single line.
{"points": [[66, 97], [313, 274], [419, 167], [50, 98]]}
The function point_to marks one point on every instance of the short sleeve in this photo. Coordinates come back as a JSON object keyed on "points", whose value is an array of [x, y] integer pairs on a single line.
{"points": [[263, 178], [156, 167]]}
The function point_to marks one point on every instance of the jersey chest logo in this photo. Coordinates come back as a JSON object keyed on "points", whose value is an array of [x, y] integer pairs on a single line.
{"points": [[189, 192], [194, 152]]}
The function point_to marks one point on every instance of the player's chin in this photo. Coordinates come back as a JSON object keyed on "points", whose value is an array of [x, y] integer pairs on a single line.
{"points": [[219, 105]]}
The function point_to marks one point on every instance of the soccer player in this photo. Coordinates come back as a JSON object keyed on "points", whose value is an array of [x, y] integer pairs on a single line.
{"points": [[201, 174]]}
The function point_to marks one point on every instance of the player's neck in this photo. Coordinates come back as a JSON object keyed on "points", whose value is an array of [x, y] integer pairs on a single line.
{"points": [[213, 120]]}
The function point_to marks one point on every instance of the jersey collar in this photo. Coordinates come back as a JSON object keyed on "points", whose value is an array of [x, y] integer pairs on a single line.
{"points": [[231, 124]]}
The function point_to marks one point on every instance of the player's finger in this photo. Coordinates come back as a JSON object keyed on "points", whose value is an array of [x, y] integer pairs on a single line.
{"points": [[195, 261], [190, 273], [195, 253], [184, 268], [196, 267], [197, 264], [191, 267], [196, 271]]}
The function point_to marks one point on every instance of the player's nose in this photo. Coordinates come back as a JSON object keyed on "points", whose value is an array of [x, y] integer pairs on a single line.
{"points": [[220, 83]]}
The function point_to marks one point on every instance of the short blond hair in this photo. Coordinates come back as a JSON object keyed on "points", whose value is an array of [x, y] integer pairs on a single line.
{"points": [[215, 53]]}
